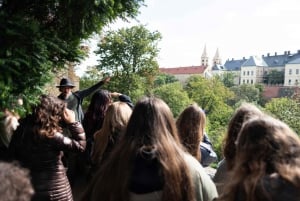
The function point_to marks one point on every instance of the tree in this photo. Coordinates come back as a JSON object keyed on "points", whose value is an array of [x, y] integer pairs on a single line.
{"points": [[129, 55], [287, 110], [174, 95], [37, 38], [228, 79], [208, 93], [245, 92], [92, 76], [163, 78], [274, 77]]}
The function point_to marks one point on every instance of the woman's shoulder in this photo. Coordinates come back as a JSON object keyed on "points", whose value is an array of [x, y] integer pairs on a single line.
{"points": [[205, 188]]}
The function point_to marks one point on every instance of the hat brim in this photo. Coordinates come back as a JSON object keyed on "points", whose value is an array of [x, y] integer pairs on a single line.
{"points": [[58, 86]]}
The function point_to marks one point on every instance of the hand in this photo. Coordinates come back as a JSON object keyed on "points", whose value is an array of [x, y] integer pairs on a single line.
{"points": [[69, 116], [107, 79], [115, 94]]}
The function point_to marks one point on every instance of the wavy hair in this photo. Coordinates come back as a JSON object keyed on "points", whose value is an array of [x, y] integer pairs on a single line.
{"points": [[47, 116], [191, 125], [265, 146], [151, 127], [245, 112]]}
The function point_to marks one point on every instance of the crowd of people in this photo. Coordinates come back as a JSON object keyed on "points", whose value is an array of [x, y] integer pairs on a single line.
{"points": [[141, 152]]}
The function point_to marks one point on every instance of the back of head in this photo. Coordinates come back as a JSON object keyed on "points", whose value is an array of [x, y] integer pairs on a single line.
{"points": [[47, 115], [245, 112], [151, 129], [100, 99], [268, 151], [191, 125], [271, 146], [114, 125], [153, 119], [94, 116], [15, 183]]}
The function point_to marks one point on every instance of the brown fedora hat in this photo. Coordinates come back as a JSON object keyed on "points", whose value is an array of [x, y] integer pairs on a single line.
{"points": [[65, 82]]}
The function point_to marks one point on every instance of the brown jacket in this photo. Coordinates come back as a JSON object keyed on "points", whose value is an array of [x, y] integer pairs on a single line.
{"points": [[44, 159]]}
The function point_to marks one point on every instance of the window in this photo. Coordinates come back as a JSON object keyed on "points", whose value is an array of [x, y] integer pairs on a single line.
{"points": [[297, 71], [251, 81], [252, 73], [290, 82], [290, 71], [247, 72]]}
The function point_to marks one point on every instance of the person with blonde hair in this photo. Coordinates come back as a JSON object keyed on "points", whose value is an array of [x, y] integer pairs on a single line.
{"points": [[149, 162], [114, 125], [267, 163]]}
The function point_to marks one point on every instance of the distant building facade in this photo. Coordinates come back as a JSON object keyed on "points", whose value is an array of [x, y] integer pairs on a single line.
{"points": [[255, 69]]}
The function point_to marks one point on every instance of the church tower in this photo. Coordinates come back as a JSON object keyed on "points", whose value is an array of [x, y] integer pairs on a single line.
{"points": [[204, 58], [217, 58]]}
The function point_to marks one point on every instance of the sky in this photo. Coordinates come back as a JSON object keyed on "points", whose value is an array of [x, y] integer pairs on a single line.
{"points": [[237, 28]]}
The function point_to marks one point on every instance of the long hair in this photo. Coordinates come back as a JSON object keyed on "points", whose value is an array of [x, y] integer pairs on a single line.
{"points": [[191, 125], [151, 126], [47, 116], [114, 125], [94, 116], [245, 112], [265, 146]]}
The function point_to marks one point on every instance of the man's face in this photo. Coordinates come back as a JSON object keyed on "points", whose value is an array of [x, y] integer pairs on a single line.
{"points": [[65, 91]]}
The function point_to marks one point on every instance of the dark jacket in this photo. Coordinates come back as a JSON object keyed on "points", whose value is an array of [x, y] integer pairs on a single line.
{"points": [[208, 155], [74, 102], [43, 158]]}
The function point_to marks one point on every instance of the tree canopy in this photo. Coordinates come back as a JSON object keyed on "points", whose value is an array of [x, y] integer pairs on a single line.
{"points": [[37, 38], [129, 55]]}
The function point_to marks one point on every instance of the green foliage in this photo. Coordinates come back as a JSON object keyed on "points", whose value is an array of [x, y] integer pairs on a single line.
{"points": [[129, 56], [274, 77], [245, 92], [132, 85], [37, 38], [227, 78], [208, 93], [162, 79], [91, 77], [174, 95], [287, 110]]}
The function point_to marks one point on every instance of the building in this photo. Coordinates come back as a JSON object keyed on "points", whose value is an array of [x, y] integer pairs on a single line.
{"points": [[183, 73], [255, 69]]}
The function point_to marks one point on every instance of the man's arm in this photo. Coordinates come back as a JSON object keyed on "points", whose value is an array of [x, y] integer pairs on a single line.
{"points": [[86, 92]]}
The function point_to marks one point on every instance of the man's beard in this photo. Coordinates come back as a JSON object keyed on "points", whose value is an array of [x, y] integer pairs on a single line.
{"points": [[64, 96]]}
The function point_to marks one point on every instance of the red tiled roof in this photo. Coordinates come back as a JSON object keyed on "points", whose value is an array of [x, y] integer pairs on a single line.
{"points": [[271, 92], [184, 70]]}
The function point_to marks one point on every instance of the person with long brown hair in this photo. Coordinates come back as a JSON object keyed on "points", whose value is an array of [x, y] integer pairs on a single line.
{"points": [[191, 125], [39, 144], [149, 162], [267, 163], [243, 113]]}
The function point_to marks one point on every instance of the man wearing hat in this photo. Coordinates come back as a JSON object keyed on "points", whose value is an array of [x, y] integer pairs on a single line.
{"points": [[74, 102], [74, 99]]}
